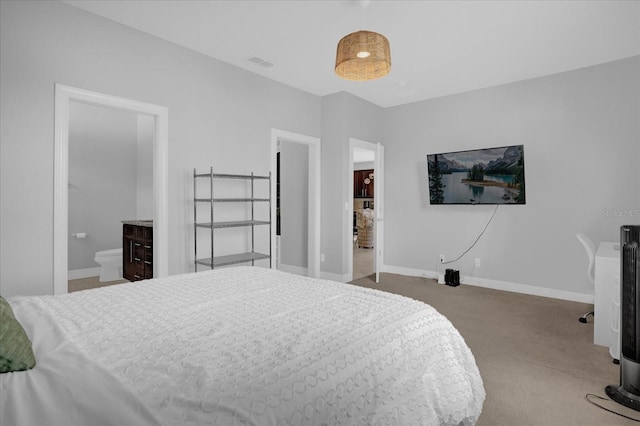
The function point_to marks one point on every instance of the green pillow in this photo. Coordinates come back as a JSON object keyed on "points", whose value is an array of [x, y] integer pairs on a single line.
{"points": [[15, 347]]}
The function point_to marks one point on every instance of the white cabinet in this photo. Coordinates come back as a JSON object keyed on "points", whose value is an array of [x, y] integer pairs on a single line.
{"points": [[607, 294]]}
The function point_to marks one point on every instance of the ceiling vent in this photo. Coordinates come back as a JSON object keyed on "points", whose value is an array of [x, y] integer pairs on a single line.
{"points": [[259, 61]]}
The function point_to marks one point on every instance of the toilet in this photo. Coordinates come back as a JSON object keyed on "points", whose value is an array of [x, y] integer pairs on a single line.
{"points": [[111, 264]]}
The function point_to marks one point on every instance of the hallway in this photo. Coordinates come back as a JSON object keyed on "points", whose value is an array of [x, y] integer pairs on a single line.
{"points": [[363, 262]]}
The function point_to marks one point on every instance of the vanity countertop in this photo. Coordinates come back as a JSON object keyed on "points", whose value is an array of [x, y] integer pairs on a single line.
{"points": [[148, 223]]}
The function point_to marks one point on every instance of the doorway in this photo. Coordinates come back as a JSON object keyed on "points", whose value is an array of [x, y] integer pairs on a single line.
{"points": [[292, 207], [64, 96], [110, 180], [364, 243], [311, 146], [363, 166]]}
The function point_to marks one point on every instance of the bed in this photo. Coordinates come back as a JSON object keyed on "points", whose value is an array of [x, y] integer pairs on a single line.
{"points": [[239, 346]]}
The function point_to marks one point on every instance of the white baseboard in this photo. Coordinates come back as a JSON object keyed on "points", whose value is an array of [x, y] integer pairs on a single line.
{"points": [[498, 285], [76, 274]]}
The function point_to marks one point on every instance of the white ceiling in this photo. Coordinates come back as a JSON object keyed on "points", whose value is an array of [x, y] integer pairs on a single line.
{"points": [[438, 48]]}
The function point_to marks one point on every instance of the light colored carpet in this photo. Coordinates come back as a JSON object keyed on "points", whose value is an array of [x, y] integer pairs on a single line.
{"points": [[537, 361]]}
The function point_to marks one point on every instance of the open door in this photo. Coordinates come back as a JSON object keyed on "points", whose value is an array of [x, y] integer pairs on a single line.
{"points": [[378, 184]]}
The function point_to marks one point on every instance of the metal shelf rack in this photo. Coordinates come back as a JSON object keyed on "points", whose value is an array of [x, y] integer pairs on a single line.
{"points": [[213, 261]]}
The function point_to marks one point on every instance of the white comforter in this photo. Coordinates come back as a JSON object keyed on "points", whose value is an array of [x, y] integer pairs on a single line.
{"points": [[240, 346]]}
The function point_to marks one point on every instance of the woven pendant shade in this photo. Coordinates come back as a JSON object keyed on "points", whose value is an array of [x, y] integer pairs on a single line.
{"points": [[363, 55]]}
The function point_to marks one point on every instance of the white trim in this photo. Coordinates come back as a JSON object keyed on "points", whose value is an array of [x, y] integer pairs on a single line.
{"points": [[313, 255], [76, 274], [63, 96], [499, 285], [378, 208]]}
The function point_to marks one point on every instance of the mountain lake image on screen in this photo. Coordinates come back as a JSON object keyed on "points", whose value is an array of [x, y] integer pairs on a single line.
{"points": [[479, 176]]}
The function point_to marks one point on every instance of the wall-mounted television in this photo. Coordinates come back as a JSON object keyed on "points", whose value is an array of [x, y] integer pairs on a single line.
{"points": [[478, 176]]}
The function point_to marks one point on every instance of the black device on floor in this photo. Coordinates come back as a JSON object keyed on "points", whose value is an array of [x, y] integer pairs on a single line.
{"points": [[452, 277]]}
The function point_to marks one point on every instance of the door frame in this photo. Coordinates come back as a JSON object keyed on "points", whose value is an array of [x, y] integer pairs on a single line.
{"points": [[313, 227], [64, 95], [378, 150]]}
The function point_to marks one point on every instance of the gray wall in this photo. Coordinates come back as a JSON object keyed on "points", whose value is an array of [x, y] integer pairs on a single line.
{"points": [[294, 207], [103, 153], [580, 131], [144, 167], [219, 116], [581, 138], [344, 116]]}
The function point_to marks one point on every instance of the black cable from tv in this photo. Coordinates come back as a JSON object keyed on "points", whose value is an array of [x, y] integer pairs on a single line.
{"points": [[477, 239]]}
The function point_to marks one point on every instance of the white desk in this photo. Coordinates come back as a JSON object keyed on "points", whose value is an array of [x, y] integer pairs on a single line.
{"points": [[607, 289]]}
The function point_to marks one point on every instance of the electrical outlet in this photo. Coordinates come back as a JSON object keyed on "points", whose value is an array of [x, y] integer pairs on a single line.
{"points": [[442, 258], [321, 257], [478, 264]]}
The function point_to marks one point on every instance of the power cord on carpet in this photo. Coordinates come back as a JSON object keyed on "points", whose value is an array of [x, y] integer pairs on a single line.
{"points": [[606, 409]]}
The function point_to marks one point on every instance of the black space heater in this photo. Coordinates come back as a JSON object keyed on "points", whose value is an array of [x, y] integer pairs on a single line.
{"points": [[628, 393]]}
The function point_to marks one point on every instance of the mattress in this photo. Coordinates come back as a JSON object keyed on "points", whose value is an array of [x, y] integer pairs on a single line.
{"points": [[240, 346]]}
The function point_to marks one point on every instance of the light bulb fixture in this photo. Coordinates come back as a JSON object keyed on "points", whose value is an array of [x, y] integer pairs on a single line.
{"points": [[362, 56]]}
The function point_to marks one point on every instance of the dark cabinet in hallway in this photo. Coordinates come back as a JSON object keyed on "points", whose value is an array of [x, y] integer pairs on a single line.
{"points": [[363, 183]]}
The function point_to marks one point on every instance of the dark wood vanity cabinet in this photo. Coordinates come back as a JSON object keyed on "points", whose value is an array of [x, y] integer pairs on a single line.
{"points": [[137, 251], [362, 189]]}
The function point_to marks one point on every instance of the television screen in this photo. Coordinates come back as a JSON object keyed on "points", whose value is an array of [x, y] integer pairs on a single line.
{"points": [[479, 176]]}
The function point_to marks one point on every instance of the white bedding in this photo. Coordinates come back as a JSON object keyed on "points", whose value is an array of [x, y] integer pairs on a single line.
{"points": [[240, 346]]}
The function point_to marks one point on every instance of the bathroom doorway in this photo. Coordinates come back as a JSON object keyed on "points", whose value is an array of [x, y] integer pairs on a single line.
{"points": [[65, 96], [110, 180]]}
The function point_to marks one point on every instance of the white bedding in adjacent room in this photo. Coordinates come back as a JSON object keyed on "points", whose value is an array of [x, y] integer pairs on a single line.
{"points": [[240, 346]]}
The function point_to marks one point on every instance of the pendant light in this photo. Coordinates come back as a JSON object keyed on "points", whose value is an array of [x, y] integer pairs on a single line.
{"points": [[363, 55]]}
